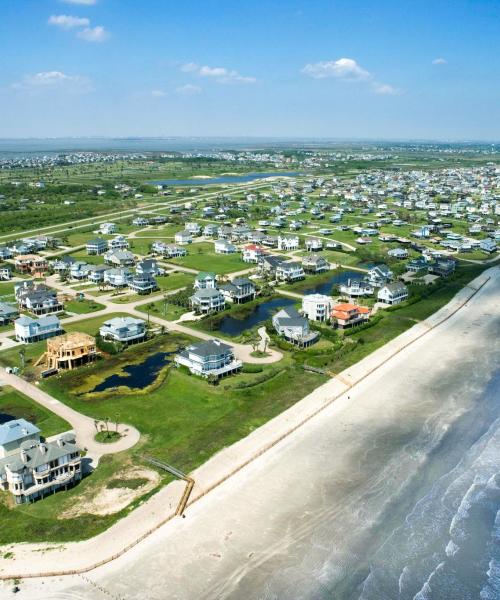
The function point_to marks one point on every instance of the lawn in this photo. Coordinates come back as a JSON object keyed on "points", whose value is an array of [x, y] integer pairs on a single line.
{"points": [[202, 257], [14, 405], [6, 292], [174, 280], [165, 310], [81, 307], [184, 421]]}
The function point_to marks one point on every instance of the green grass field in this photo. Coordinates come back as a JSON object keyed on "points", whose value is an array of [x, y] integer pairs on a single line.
{"points": [[192, 421], [15, 405], [201, 256]]}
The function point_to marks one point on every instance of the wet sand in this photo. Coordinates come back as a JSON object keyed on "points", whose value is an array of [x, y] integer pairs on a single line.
{"points": [[310, 518]]}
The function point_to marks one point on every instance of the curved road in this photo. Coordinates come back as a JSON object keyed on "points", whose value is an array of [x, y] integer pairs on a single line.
{"points": [[82, 425]]}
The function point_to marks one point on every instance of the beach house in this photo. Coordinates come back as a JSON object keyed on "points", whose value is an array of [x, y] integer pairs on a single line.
{"points": [[29, 330], [393, 293], [209, 358], [96, 246], [347, 315], [207, 301], [123, 329], [293, 327], [317, 307], [239, 290]]}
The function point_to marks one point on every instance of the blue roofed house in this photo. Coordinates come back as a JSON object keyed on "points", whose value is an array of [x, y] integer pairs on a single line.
{"points": [[123, 329], [30, 330], [143, 283], [12, 433]]}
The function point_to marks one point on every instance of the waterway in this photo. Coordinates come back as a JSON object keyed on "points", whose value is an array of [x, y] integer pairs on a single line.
{"points": [[221, 180], [233, 326], [326, 286], [137, 376]]}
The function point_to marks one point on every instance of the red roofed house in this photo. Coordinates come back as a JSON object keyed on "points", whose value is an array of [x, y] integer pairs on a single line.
{"points": [[252, 253], [348, 315]]}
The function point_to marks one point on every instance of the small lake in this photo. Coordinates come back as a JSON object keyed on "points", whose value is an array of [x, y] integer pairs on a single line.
{"points": [[326, 286], [262, 312], [222, 179], [137, 376]]}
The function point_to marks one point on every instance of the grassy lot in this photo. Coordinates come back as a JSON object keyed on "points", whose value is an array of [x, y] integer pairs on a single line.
{"points": [[82, 307], [174, 281], [166, 310], [184, 421], [202, 257], [15, 405], [6, 292]]}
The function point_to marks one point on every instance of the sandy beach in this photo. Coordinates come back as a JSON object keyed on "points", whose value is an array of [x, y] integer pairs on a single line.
{"points": [[311, 517]]}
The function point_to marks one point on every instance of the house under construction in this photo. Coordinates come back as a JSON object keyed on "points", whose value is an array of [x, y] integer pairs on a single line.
{"points": [[69, 351]]}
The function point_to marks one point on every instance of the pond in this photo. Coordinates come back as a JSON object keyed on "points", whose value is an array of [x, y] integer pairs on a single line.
{"points": [[137, 376], [326, 286], [222, 179], [261, 312]]}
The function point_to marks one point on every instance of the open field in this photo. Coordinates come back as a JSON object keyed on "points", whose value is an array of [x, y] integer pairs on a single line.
{"points": [[201, 256], [14, 405]]}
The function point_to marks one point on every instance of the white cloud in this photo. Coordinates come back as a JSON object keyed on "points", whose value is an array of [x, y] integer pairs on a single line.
{"points": [[81, 2], [219, 74], [385, 89], [52, 80], [440, 61], [158, 93], [94, 34], [347, 69], [68, 22], [188, 90], [343, 68]]}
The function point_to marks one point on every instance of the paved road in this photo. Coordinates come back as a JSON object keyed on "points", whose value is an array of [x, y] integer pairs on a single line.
{"points": [[83, 426]]}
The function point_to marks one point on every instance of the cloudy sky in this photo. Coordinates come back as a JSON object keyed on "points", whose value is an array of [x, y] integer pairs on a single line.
{"points": [[427, 69]]}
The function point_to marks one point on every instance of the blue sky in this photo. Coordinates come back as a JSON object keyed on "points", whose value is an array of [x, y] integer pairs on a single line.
{"points": [[391, 69]]}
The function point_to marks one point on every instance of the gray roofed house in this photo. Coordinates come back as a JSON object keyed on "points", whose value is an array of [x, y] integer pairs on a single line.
{"points": [[290, 324], [7, 313], [393, 293], [96, 246], [239, 290], [211, 357], [34, 469], [208, 300], [119, 258], [315, 263]]}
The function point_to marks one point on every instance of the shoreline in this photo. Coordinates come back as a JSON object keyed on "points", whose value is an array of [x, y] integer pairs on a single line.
{"points": [[127, 533]]}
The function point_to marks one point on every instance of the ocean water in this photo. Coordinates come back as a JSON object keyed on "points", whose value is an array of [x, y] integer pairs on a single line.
{"points": [[449, 544]]}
